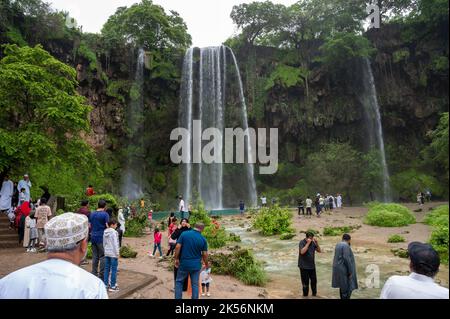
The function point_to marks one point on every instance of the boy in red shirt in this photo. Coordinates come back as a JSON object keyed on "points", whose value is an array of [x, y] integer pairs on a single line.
{"points": [[157, 237]]}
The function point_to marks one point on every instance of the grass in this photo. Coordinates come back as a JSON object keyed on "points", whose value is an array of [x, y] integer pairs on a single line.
{"points": [[338, 231], [396, 239], [240, 264], [438, 219], [389, 215]]}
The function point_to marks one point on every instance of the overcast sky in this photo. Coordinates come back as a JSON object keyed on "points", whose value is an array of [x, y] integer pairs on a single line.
{"points": [[208, 21]]}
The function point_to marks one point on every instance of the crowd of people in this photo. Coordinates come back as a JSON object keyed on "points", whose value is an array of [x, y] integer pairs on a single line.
{"points": [[66, 238]]}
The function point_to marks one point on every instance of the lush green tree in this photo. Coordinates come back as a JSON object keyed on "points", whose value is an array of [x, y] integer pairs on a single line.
{"points": [[258, 19], [372, 175], [336, 168], [41, 113], [146, 25]]}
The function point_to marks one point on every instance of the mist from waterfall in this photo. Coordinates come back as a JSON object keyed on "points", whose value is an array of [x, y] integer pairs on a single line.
{"points": [[132, 179], [373, 124], [208, 95]]}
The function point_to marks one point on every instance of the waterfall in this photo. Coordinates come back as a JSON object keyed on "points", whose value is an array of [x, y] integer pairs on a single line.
{"points": [[373, 124], [205, 97], [132, 181]]}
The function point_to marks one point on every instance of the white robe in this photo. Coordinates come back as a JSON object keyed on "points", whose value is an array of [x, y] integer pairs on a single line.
{"points": [[121, 219], [27, 186], [339, 201], [52, 279], [6, 194]]}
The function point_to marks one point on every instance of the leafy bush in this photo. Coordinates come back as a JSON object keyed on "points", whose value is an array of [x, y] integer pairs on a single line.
{"points": [[389, 215], [109, 198], [338, 231], [313, 231], [89, 251], [127, 252], [234, 237], [400, 252], [240, 264], [135, 226], [287, 236], [273, 220], [396, 239], [439, 218], [216, 237]]}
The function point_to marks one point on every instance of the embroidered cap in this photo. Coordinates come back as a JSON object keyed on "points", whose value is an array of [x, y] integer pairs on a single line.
{"points": [[66, 229]]}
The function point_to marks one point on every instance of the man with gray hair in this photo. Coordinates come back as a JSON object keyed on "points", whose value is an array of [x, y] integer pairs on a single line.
{"points": [[190, 250], [59, 277]]}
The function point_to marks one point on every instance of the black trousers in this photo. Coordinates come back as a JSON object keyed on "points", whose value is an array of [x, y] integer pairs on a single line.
{"points": [[301, 209], [308, 211], [308, 277], [345, 294]]}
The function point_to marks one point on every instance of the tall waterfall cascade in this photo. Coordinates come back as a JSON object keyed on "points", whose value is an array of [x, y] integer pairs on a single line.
{"points": [[212, 93], [373, 124]]}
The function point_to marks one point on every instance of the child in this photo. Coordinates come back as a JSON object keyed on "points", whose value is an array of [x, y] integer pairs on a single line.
{"points": [[22, 196], [205, 277], [30, 223], [111, 246], [12, 218], [157, 243], [150, 216]]}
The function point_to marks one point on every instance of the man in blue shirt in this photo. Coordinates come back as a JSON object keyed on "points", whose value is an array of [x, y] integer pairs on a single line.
{"points": [[191, 249], [98, 221]]}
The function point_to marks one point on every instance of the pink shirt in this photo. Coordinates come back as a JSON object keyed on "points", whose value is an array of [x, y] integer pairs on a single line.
{"points": [[157, 237]]}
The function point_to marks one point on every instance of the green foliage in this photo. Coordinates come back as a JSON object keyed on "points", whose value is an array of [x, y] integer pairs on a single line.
{"points": [[146, 25], [437, 151], [338, 231], [234, 238], [400, 252], [389, 215], [119, 89], [159, 181], [409, 182], [135, 226], [85, 52], [439, 219], [401, 55], [286, 76], [240, 264], [396, 239], [438, 216], [344, 47], [127, 252], [89, 251], [287, 236], [216, 237], [273, 220], [15, 37], [110, 199], [44, 120]]}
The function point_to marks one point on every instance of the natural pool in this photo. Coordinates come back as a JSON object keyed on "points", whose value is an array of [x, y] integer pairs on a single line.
{"points": [[280, 262]]}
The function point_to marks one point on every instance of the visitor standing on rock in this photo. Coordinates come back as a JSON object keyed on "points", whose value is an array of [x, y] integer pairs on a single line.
{"points": [[191, 249], [424, 266], [55, 278], [43, 214], [241, 207], [99, 222], [306, 262], [344, 268], [339, 201], [301, 207], [6, 194], [25, 183]]}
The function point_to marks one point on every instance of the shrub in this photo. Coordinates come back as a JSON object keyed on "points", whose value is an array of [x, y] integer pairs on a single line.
{"points": [[389, 215], [438, 216], [109, 198], [89, 251], [135, 227], [400, 252], [287, 236], [233, 237], [338, 231], [396, 239], [127, 252], [240, 264], [216, 237], [273, 220]]}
